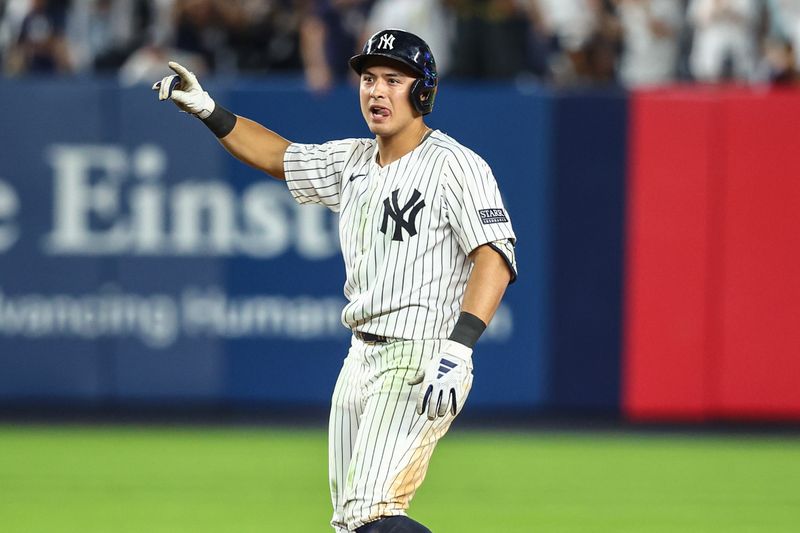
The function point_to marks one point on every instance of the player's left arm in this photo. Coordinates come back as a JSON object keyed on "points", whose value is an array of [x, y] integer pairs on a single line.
{"points": [[487, 283], [483, 229], [448, 376]]}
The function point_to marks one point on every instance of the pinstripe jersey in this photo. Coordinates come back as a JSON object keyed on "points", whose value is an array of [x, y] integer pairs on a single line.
{"points": [[405, 229]]}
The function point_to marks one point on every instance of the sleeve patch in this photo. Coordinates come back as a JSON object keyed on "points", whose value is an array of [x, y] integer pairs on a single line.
{"points": [[492, 216]]}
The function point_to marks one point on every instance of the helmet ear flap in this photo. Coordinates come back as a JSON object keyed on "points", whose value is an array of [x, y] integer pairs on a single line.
{"points": [[423, 93]]}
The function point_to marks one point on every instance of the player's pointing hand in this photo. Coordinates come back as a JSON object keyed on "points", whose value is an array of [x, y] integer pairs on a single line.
{"points": [[445, 380], [185, 91]]}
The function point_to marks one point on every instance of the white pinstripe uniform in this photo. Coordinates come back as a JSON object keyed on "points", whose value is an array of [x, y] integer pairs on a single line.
{"points": [[406, 230]]}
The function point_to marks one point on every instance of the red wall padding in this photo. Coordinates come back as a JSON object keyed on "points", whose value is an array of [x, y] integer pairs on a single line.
{"points": [[759, 374], [713, 268]]}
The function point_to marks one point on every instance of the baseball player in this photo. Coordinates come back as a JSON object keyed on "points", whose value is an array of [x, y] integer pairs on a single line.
{"points": [[428, 250]]}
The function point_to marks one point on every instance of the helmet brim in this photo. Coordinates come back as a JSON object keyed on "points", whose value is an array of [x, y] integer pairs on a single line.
{"points": [[357, 62]]}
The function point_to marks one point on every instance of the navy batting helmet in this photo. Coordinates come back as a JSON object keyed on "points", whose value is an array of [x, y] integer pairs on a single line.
{"points": [[413, 52]]}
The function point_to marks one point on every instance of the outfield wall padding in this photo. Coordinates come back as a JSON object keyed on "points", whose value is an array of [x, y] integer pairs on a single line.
{"points": [[713, 268]]}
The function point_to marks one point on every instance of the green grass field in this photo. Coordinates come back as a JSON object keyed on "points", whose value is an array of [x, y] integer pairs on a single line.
{"points": [[144, 479]]}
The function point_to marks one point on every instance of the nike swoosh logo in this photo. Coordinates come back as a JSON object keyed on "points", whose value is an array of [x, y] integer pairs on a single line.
{"points": [[358, 176]]}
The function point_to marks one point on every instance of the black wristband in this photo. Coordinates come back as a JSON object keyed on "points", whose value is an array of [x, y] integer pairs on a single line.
{"points": [[468, 329], [220, 121]]}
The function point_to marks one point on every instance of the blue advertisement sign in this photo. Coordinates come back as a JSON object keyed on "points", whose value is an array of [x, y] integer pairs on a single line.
{"points": [[139, 262]]}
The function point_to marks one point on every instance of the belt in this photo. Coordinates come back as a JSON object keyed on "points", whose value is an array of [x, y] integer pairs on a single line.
{"points": [[371, 338]]}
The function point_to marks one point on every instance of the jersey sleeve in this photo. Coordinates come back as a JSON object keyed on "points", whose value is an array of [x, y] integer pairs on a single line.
{"points": [[314, 172], [506, 250], [476, 211]]}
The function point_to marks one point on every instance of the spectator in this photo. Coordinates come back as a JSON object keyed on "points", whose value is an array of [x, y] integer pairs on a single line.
{"points": [[330, 34], [41, 46], [491, 39], [778, 65], [569, 41], [784, 17], [226, 36], [585, 39], [149, 61], [103, 33], [268, 40], [605, 47], [12, 13], [725, 36], [650, 41], [538, 41], [426, 18], [201, 28]]}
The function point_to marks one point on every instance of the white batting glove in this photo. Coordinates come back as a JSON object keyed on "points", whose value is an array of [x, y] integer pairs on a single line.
{"points": [[185, 91], [445, 380]]}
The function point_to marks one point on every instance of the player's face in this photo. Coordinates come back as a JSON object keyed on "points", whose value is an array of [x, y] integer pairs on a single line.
{"points": [[385, 99]]}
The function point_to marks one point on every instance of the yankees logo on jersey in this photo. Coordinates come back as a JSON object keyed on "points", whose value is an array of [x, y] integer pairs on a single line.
{"points": [[392, 209], [438, 201]]}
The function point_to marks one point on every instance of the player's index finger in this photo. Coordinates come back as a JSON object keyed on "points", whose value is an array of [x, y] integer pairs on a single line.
{"points": [[180, 70]]}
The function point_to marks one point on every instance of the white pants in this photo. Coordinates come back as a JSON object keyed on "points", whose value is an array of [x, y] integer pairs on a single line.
{"points": [[378, 446]]}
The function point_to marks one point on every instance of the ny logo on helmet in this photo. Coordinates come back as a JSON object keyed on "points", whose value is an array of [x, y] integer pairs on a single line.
{"points": [[386, 42], [391, 208]]}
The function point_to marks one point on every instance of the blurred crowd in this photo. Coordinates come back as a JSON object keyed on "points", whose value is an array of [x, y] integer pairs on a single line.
{"points": [[563, 42]]}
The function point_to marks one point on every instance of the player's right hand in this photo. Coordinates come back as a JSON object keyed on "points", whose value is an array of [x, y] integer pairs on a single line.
{"points": [[185, 91]]}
